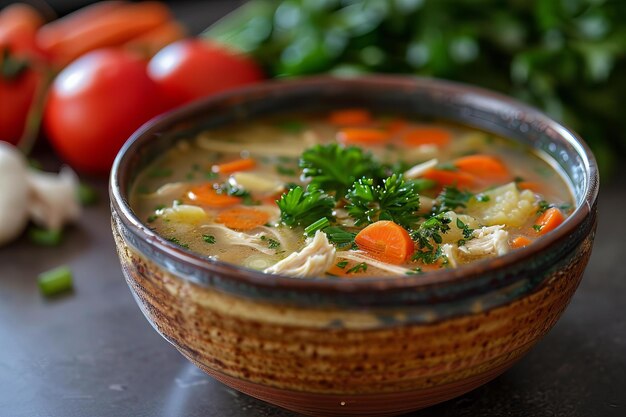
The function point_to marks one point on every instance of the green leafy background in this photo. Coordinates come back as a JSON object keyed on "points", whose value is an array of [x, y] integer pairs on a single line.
{"points": [[567, 57]]}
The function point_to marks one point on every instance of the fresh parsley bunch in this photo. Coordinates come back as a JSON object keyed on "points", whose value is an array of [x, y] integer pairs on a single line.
{"points": [[334, 168], [396, 200], [299, 207]]}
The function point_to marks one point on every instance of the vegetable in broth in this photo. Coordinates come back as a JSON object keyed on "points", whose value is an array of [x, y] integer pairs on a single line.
{"points": [[350, 194]]}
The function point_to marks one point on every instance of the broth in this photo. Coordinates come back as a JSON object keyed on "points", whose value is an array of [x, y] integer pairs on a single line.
{"points": [[286, 195]]}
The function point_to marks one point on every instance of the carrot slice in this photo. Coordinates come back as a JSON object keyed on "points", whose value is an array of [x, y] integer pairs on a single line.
{"points": [[386, 241], [149, 43], [207, 195], [100, 26], [243, 164], [444, 178], [427, 136], [520, 242], [350, 117], [394, 126], [17, 19], [549, 220], [485, 167], [530, 185], [242, 218], [362, 136]]}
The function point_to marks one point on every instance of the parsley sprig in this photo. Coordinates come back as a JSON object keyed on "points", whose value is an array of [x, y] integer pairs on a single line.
{"points": [[396, 200], [334, 168], [302, 208], [450, 199]]}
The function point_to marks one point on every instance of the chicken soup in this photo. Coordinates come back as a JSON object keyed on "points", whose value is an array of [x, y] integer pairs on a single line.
{"points": [[350, 194]]}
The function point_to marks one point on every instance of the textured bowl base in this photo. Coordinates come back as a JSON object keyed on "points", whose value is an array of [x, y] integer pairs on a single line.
{"points": [[388, 404]]}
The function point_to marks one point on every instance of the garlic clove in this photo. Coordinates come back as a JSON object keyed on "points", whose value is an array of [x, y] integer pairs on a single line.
{"points": [[53, 198]]}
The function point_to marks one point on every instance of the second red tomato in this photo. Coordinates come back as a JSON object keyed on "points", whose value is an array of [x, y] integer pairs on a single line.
{"points": [[190, 69], [95, 104]]}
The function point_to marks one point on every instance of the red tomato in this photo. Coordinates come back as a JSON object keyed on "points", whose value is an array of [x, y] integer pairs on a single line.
{"points": [[95, 104], [18, 85], [190, 69]]}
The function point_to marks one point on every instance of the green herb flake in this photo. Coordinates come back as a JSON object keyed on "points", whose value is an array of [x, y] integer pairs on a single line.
{"points": [[160, 173], [483, 198], [152, 218], [542, 206], [210, 239], [342, 264], [537, 227], [210, 175], [450, 199], [273, 244], [291, 126], [175, 241], [362, 267], [447, 166], [285, 171]]}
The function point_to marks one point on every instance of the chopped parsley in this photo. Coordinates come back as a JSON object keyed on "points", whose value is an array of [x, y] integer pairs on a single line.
{"points": [[430, 231], [342, 264], [537, 227], [152, 218], [483, 198], [285, 171], [175, 241], [210, 239], [271, 243], [450, 199], [447, 166], [160, 172], [362, 267], [340, 237], [292, 126], [467, 232]]}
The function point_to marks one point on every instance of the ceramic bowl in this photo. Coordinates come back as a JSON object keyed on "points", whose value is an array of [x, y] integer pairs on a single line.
{"points": [[379, 346]]}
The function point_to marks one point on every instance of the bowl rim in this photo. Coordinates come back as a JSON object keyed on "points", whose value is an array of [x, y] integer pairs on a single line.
{"points": [[121, 206]]}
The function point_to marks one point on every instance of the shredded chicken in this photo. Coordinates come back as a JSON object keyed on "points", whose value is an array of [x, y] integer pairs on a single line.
{"points": [[492, 240], [449, 250], [314, 260], [359, 256], [419, 169], [242, 239]]}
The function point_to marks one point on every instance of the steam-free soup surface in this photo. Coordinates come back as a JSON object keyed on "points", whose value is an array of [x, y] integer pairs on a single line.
{"points": [[350, 194]]}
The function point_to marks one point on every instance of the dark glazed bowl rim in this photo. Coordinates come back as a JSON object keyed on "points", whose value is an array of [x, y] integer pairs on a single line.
{"points": [[121, 207]]}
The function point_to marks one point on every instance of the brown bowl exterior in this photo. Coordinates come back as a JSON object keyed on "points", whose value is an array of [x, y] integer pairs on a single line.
{"points": [[379, 347], [295, 358]]}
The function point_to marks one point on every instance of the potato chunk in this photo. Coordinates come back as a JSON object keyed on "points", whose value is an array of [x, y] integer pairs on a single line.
{"points": [[505, 205]]}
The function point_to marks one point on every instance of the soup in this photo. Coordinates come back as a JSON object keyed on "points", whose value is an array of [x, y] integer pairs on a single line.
{"points": [[350, 194]]}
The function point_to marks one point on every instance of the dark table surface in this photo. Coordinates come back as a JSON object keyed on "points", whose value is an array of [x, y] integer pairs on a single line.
{"points": [[92, 353]]}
